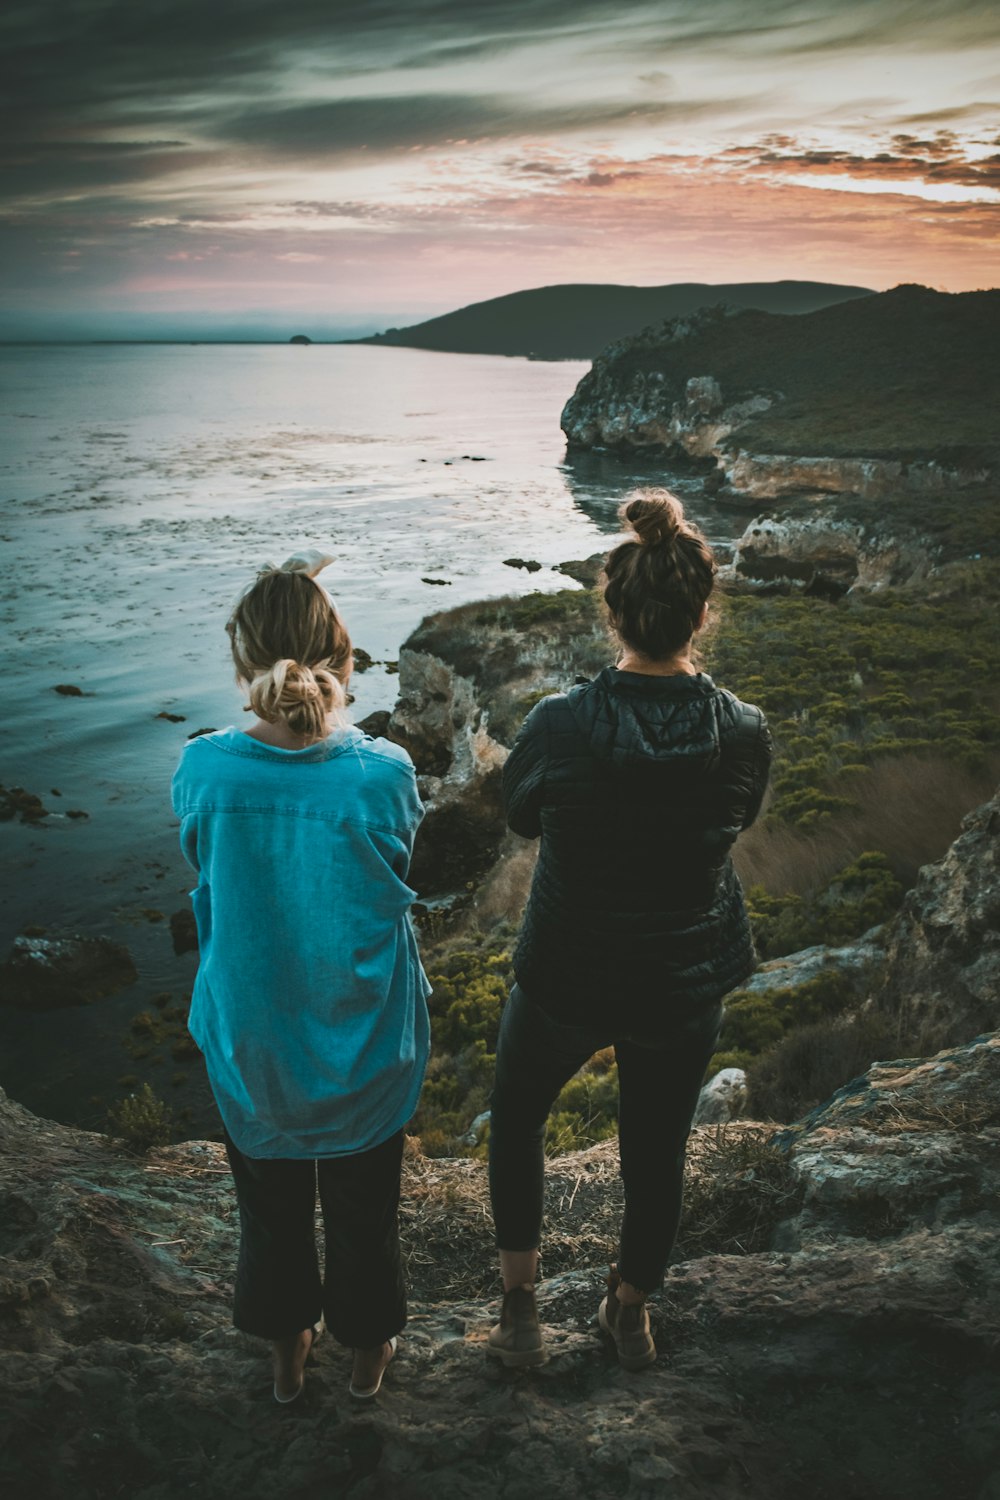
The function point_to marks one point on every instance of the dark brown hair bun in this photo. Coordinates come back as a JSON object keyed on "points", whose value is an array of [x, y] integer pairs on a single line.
{"points": [[655, 516], [658, 580]]}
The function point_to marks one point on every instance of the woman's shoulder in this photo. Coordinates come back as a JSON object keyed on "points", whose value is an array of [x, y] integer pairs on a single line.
{"points": [[395, 759], [739, 719]]}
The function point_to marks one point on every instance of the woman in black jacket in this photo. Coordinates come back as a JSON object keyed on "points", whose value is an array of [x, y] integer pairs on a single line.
{"points": [[638, 784]]}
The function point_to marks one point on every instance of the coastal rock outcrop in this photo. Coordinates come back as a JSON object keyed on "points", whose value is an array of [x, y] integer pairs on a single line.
{"points": [[467, 677], [871, 398], [625, 401], [942, 976], [767, 476], [46, 973], [825, 554], [875, 1311]]}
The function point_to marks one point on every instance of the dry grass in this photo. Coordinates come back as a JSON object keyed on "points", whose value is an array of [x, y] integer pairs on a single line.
{"points": [[910, 808], [889, 1117], [503, 893], [737, 1187]]}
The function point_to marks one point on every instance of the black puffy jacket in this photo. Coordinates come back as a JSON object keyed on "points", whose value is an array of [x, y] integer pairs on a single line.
{"points": [[638, 786]]}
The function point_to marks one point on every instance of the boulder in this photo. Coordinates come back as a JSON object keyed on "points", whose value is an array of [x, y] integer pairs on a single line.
{"points": [[857, 961], [942, 976], [184, 931], [585, 570], [723, 1098], [46, 973]]}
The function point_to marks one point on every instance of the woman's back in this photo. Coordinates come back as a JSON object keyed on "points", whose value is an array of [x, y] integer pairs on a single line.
{"points": [[309, 990], [639, 786]]}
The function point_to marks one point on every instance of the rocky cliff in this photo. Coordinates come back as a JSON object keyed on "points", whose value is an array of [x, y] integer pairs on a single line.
{"points": [[828, 554], [892, 394], [943, 951], [853, 1352]]}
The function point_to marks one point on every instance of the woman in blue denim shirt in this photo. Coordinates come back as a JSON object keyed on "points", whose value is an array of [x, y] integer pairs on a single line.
{"points": [[310, 1001]]}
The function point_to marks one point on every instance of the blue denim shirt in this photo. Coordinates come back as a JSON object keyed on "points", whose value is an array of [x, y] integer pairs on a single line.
{"points": [[310, 1001]]}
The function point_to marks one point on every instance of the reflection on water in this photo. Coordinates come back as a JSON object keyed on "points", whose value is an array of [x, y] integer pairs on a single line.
{"points": [[598, 481]]}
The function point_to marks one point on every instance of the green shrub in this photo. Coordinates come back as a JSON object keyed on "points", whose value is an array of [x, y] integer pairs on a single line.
{"points": [[141, 1121], [861, 895], [869, 677], [468, 994], [585, 1112], [812, 1062]]}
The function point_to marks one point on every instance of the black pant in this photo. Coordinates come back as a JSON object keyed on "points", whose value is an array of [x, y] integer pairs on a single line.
{"points": [[659, 1079], [278, 1288]]}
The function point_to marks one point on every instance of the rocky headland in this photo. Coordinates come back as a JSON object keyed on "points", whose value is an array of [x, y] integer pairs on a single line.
{"points": [[851, 426]]}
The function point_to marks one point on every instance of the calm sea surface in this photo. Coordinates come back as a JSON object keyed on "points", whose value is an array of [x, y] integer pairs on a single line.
{"points": [[141, 487]]}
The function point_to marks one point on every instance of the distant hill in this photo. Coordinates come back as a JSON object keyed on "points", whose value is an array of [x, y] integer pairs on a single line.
{"points": [[904, 372], [576, 321]]}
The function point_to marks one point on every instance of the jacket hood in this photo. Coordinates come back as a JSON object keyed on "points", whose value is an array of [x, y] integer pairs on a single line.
{"points": [[640, 717]]}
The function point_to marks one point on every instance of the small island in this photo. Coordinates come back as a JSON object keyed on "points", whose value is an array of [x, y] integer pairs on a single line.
{"points": [[300, 338]]}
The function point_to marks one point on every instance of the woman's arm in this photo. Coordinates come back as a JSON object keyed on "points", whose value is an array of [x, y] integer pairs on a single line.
{"points": [[758, 769], [524, 775], [746, 764]]}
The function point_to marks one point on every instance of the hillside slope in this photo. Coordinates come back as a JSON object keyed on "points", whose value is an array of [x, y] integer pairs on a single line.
{"points": [[901, 375], [577, 321]]}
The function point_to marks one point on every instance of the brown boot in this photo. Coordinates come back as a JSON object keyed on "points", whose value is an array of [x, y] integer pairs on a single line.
{"points": [[517, 1338], [628, 1325]]}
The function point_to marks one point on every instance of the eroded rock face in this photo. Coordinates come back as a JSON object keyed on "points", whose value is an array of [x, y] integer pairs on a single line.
{"points": [[467, 677], [638, 396], [639, 409], [943, 949], [46, 973], [766, 476], [435, 714], [438, 719], [826, 555]]}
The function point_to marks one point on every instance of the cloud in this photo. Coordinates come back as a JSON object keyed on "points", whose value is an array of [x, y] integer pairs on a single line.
{"points": [[928, 167], [384, 124]]}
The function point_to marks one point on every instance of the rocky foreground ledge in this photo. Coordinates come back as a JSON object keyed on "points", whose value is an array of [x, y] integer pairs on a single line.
{"points": [[856, 1356]]}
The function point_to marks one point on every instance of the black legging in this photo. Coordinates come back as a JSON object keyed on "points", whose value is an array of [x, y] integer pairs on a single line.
{"points": [[659, 1079]]}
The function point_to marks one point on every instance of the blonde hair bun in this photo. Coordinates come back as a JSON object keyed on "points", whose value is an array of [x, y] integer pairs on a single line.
{"points": [[656, 517], [291, 649], [303, 697]]}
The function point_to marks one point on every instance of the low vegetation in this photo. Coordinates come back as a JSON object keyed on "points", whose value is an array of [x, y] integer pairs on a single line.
{"points": [[737, 1187], [141, 1121]]}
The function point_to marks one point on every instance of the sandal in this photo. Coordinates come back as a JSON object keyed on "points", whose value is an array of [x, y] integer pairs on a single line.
{"points": [[365, 1393], [315, 1330]]}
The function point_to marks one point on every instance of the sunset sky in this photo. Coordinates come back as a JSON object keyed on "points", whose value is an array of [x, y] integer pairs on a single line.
{"points": [[200, 168]]}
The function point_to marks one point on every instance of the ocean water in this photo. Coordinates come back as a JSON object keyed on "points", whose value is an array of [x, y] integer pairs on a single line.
{"points": [[140, 488]]}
